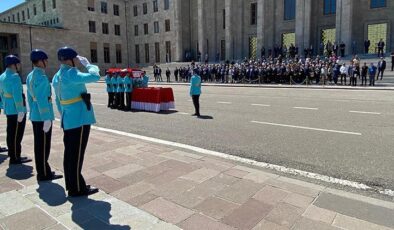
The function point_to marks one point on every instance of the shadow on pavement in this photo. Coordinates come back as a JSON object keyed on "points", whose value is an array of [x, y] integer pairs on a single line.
{"points": [[3, 158], [51, 193], [97, 212], [205, 117], [19, 172]]}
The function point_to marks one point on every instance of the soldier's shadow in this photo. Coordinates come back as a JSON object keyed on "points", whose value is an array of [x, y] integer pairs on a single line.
{"points": [[205, 117], [51, 193], [99, 213], [3, 158], [19, 172]]}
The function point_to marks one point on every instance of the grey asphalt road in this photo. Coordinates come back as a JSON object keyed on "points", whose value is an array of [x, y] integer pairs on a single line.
{"points": [[347, 134]]}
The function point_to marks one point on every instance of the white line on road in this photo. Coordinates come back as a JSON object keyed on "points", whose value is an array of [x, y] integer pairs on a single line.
{"points": [[98, 104], [277, 168], [363, 112], [224, 102], [182, 113], [305, 108], [307, 128], [262, 105]]}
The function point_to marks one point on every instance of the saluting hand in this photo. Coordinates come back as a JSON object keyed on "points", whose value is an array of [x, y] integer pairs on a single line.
{"points": [[84, 61]]}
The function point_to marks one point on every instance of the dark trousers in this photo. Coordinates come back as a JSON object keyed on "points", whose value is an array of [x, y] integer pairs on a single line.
{"points": [[363, 79], [380, 73], [392, 66], [15, 131], [110, 99], [196, 103], [116, 100], [42, 149], [371, 80], [121, 101], [75, 142], [128, 101], [343, 76], [353, 80]]}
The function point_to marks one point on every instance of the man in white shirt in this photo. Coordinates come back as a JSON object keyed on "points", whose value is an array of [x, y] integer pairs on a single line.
{"points": [[344, 71]]}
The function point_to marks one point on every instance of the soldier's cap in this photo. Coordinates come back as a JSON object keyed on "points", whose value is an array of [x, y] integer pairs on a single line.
{"points": [[66, 53], [38, 55], [11, 60]]}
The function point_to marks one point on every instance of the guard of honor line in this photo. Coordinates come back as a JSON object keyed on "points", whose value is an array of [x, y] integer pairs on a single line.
{"points": [[73, 104]]}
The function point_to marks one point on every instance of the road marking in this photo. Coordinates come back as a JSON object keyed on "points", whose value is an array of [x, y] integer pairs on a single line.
{"points": [[182, 113], [262, 105], [363, 112], [224, 102], [305, 108], [278, 168], [307, 128], [98, 104]]}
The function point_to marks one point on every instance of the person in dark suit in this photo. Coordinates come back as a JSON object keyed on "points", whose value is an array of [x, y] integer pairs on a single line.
{"points": [[381, 68], [367, 44], [342, 48], [381, 45], [392, 61]]}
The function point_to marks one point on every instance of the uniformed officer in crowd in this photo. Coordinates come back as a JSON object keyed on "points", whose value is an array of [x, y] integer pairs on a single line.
{"points": [[2, 149], [14, 104], [77, 114], [108, 81], [195, 92], [114, 86], [120, 90], [39, 97], [128, 89], [145, 80]]}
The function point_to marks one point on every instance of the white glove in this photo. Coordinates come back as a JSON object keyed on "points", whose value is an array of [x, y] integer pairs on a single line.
{"points": [[84, 61], [47, 126], [21, 115]]}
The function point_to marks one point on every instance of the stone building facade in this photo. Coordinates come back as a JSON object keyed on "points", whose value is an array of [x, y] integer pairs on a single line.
{"points": [[121, 33]]}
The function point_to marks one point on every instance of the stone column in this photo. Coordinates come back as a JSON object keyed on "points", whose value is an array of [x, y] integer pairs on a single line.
{"points": [[303, 24], [260, 26], [201, 28], [178, 55], [265, 25], [344, 23], [229, 29]]}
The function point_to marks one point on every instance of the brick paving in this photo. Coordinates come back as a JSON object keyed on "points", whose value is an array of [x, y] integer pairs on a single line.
{"points": [[150, 186]]}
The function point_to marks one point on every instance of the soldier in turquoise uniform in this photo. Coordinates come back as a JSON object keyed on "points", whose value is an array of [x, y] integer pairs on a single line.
{"points": [[39, 96], [128, 89], [14, 104], [109, 89], [114, 85], [76, 111], [195, 92], [120, 90], [145, 80], [2, 149]]}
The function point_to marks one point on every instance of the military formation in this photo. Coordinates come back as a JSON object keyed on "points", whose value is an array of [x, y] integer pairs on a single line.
{"points": [[73, 104]]}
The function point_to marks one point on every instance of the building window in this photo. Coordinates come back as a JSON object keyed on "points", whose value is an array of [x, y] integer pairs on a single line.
{"points": [[168, 51], [23, 15], [136, 30], [146, 29], [9, 19], [105, 28], [93, 52], [166, 4], [253, 13], [330, 7], [135, 11], [117, 30], [289, 9], [91, 5], [92, 26], [116, 10], [168, 25], [156, 27], [145, 8], [18, 17], [147, 59], [28, 13], [107, 58], [378, 3], [224, 18], [57, 20], [104, 7], [118, 53], [54, 4], [34, 10], [155, 6], [157, 52], [137, 54], [13, 18], [44, 7]]}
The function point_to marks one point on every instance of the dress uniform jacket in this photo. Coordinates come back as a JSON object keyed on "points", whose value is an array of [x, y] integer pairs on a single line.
{"points": [[128, 85], [114, 84], [39, 96], [195, 85], [11, 93], [69, 84], [145, 81], [119, 82], [108, 81]]}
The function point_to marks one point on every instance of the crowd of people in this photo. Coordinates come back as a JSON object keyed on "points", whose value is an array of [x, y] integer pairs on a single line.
{"points": [[287, 69]]}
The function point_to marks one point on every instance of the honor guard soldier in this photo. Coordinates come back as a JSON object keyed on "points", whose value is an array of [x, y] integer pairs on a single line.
{"points": [[195, 92], [114, 85], [120, 90], [109, 89], [39, 97], [2, 149], [145, 80], [128, 89], [14, 104], [77, 114]]}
